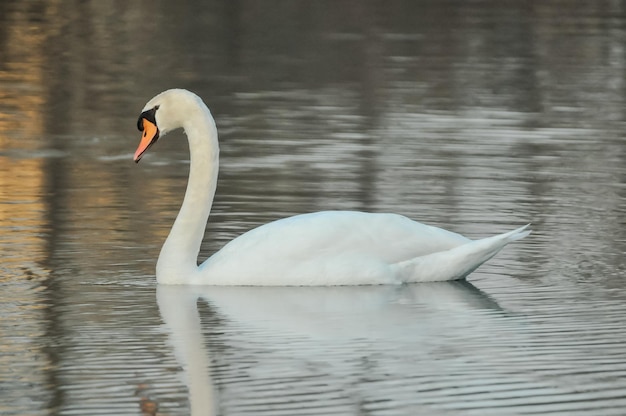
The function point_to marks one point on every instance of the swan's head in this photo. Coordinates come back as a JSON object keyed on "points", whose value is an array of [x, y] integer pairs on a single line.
{"points": [[164, 113]]}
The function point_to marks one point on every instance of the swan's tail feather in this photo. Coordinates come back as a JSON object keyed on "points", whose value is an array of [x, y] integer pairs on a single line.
{"points": [[457, 262], [517, 234]]}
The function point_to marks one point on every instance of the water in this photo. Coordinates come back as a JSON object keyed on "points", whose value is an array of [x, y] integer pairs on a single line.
{"points": [[475, 116]]}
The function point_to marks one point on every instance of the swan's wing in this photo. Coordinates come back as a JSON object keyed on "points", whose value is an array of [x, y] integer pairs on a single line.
{"points": [[329, 241], [388, 236]]}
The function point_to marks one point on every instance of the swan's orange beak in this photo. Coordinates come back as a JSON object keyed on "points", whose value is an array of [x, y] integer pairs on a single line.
{"points": [[148, 138]]}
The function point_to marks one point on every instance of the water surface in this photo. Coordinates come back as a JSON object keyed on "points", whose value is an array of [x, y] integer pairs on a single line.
{"points": [[475, 116]]}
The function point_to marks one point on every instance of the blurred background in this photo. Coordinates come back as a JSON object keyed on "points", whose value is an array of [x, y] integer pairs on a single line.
{"points": [[477, 116]]}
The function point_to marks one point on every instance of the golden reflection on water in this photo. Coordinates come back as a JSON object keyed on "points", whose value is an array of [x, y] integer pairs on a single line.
{"points": [[22, 214], [23, 209], [24, 247]]}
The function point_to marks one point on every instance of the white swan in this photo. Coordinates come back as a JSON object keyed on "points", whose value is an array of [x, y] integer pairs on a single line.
{"points": [[322, 248]]}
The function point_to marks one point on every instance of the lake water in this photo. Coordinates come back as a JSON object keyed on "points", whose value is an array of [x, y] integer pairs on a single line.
{"points": [[475, 116]]}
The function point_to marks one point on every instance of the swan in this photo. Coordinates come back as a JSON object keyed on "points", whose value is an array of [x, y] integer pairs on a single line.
{"points": [[315, 249]]}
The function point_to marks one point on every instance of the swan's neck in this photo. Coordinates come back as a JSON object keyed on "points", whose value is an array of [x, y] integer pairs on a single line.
{"points": [[178, 259]]}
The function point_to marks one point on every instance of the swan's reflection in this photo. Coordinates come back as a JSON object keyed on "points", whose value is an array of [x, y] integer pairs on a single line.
{"points": [[178, 308], [375, 313]]}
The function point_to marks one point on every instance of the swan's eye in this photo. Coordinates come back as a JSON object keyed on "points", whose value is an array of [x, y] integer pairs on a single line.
{"points": [[149, 115]]}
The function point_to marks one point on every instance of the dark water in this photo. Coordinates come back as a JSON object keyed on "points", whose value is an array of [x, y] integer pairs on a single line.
{"points": [[475, 116]]}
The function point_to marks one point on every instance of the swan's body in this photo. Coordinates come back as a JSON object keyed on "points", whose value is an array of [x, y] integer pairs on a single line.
{"points": [[323, 248]]}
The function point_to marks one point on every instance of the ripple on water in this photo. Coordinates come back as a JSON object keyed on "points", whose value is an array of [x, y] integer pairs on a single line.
{"points": [[483, 361]]}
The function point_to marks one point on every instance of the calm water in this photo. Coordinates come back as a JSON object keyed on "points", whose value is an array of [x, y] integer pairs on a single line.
{"points": [[475, 116]]}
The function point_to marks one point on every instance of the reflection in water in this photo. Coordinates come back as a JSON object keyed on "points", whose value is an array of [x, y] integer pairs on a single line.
{"points": [[177, 305], [326, 325], [24, 361], [426, 347]]}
